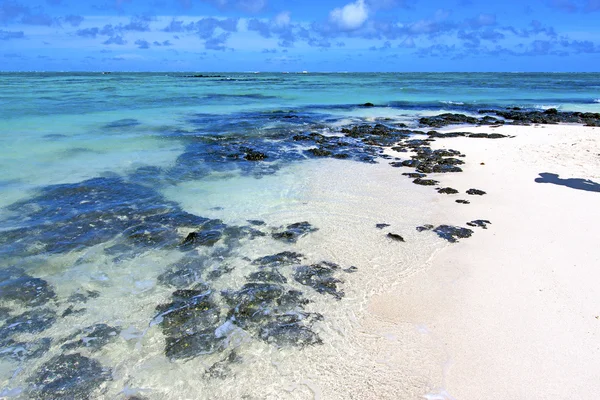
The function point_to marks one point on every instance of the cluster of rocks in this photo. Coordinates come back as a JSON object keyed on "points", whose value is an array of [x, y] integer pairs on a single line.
{"points": [[513, 116], [197, 320]]}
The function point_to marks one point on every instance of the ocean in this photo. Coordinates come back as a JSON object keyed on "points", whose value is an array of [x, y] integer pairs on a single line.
{"points": [[186, 235]]}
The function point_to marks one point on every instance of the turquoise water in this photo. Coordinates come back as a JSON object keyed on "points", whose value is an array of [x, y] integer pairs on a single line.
{"points": [[105, 175]]}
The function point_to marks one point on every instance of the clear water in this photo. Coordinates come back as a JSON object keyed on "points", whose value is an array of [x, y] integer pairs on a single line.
{"points": [[87, 159]]}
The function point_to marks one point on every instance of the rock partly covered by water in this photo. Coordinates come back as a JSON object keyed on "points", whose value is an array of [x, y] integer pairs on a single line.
{"points": [[448, 232], [71, 376]]}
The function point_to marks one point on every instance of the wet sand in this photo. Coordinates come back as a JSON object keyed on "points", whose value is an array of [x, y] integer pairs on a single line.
{"points": [[514, 311]]}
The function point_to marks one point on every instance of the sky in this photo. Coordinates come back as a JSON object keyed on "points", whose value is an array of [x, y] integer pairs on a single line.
{"points": [[300, 35]]}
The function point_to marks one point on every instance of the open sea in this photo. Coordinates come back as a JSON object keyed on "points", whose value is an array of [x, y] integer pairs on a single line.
{"points": [[174, 236]]}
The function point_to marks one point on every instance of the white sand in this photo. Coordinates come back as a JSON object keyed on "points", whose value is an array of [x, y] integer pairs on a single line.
{"points": [[515, 308]]}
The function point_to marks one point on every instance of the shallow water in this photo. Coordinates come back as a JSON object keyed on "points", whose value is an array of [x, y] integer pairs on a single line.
{"points": [[105, 176]]}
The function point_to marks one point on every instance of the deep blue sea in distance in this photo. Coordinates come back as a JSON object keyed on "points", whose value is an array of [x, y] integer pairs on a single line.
{"points": [[170, 235]]}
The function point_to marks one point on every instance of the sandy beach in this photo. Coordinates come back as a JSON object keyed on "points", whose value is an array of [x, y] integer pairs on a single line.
{"points": [[513, 310]]}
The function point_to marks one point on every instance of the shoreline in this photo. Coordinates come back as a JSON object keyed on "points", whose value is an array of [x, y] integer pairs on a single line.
{"points": [[513, 309]]}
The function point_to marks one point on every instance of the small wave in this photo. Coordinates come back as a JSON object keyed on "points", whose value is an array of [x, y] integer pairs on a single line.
{"points": [[545, 106], [596, 100], [454, 103]]}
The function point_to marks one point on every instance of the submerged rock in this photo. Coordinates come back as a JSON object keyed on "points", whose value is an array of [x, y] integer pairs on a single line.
{"points": [[279, 259], [189, 323], [291, 329], [93, 337], [184, 272], [70, 376], [33, 321], [22, 351], [17, 286], [204, 238], [320, 277], [294, 231]]}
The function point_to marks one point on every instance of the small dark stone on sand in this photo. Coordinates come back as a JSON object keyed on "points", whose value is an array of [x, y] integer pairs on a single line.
{"points": [[452, 233], [381, 226], [414, 175], [482, 223], [475, 192], [424, 228], [425, 182], [460, 201], [395, 237], [447, 190], [351, 270]]}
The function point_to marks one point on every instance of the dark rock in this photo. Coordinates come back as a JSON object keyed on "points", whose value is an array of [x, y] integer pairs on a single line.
{"points": [[319, 152], [294, 231], [476, 192], [221, 369], [290, 329], [70, 217], [203, 238], [81, 297], [252, 155], [122, 123], [442, 120], [16, 285], [487, 135], [183, 273], [424, 228], [414, 175], [189, 323], [447, 190], [279, 259], [72, 311], [190, 310], [381, 226], [425, 182], [256, 222], [368, 105], [70, 376], [395, 237], [351, 270], [32, 321], [463, 201], [23, 351], [480, 222], [93, 337], [192, 345], [254, 304], [319, 277], [452, 233], [268, 276]]}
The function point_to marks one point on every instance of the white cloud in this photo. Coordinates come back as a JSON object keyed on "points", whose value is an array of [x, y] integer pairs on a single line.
{"points": [[282, 19], [351, 16]]}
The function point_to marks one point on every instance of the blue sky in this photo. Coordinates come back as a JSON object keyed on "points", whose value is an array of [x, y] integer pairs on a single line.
{"points": [[297, 35]]}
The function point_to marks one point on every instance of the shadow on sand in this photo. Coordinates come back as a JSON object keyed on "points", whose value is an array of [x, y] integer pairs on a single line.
{"points": [[573, 183]]}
